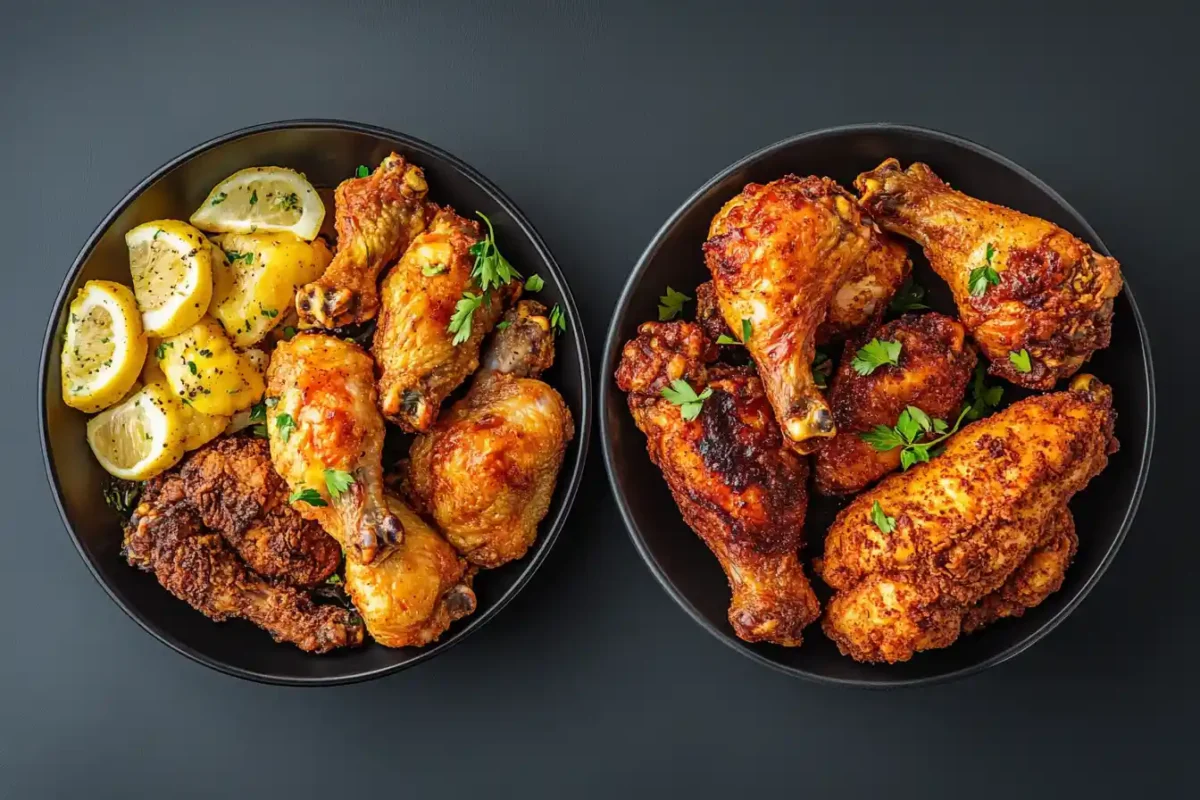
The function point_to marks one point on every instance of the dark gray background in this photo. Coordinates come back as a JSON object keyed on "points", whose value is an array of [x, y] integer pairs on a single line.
{"points": [[598, 124]]}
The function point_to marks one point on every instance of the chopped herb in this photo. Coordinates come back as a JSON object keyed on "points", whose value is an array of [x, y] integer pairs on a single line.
{"points": [[259, 431], [429, 270], [1020, 360], [205, 352], [491, 270], [912, 425], [984, 398], [288, 332], [122, 496], [192, 367], [822, 368], [253, 196], [875, 354], [288, 202], [982, 277], [258, 412], [534, 283], [362, 171], [460, 321], [284, 425], [882, 521], [670, 305], [503, 325], [269, 313], [337, 481], [156, 233], [909, 298], [558, 320], [745, 330], [725, 338], [235, 256], [310, 496], [220, 198], [681, 393], [334, 579]]}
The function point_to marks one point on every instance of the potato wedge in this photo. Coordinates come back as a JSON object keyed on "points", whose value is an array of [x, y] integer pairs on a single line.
{"points": [[203, 369]]}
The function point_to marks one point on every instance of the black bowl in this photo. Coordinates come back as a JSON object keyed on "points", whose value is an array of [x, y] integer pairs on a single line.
{"points": [[327, 152], [680, 561]]}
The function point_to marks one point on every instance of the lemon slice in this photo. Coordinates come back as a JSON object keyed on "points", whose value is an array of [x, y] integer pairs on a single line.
{"points": [[262, 199], [103, 348], [171, 265], [139, 438]]}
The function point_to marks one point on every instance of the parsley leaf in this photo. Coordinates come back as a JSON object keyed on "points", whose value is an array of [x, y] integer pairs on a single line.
{"points": [[220, 198], [909, 297], [910, 427], [460, 322], [284, 425], [288, 332], [745, 330], [288, 202], [984, 398], [670, 305], [258, 412], [253, 196], [491, 270], [875, 354], [235, 256], [269, 313], [503, 325], [681, 393], [822, 368], [882, 521], [334, 579], [310, 496], [558, 320], [883, 438], [429, 270], [338, 482], [534, 283], [192, 367], [982, 277], [1020, 361], [725, 338], [160, 352], [362, 171]]}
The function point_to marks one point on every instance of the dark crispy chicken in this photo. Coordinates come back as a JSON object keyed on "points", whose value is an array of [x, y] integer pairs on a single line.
{"points": [[735, 483], [419, 363], [235, 490], [166, 536], [410, 598], [935, 366], [1054, 298], [960, 526], [486, 471], [322, 416], [779, 255], [377, 217]]}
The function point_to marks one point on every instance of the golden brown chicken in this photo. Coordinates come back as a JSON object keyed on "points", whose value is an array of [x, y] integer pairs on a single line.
{"points": [[736, 484], [235, 490], [1037, 300], [420, 364], [912, 556], [326, 438], [487, 470], [778, 254], [1038, 577], [409, 598], [377, 217], [934, 368], [166, 536]]}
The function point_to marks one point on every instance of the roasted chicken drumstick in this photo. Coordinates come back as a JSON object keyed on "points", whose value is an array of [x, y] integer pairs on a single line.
{"points": [[736, 484], [1037, 300], [778, 254]]}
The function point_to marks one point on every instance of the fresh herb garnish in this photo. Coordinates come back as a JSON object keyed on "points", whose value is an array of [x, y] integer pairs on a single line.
{"points": [[681, 393], [558, 320], [725, 338], [284, 425], [982, 277], [491, 270], [156, 233], [460, 322], [911, 426], [875, 354], [288, 202], [534, 283], [288, 332], [310, 496], [235, 256], [258, 412], [338, 481], [253, 196], [334, 579], [882, 521], [745, 330], [1020, 360], [269, 313], [362, 171], [220, 198], [671, 304], [429, 270], [160, 352], [259, 431], [822, 368], [984, 398], [909, 298], [122, 496], [192, 367], [503, 325]]}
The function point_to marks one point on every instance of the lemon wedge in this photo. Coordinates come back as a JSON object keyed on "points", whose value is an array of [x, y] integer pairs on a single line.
{"points": [[262, 199], [103, 348], [139, 438], [171, 263]]}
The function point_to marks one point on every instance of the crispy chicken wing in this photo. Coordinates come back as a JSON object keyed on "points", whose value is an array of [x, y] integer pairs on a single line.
{"points": [[963, 523], [736, 484], [321, 416], [377, 217], [419, 363], [780, 254], [235, 490], [409, 598], [1054, 298], [166, 536], [487, 470], [935, 366]]}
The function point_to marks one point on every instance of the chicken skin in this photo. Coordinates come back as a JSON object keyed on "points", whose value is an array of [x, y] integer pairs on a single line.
{"points": [[324, 428], [235, 490], [486, 471], [736, 484], [779, 254], [959, 527], [166, 536], [1022, 284], [411, 597], [935, 367], [377, 217], [1040, 576], [419, 363]]}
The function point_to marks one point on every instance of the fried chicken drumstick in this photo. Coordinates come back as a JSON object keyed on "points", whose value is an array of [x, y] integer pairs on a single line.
{"points": [[736, 484]]}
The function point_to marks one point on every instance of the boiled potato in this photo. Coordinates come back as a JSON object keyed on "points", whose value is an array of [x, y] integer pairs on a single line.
{"points": [[255, 284], [203, 369]]}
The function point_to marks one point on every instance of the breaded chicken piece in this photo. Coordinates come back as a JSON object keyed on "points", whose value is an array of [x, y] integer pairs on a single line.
{"points": [[912, 556], [237, 492], [934, 368], [166, 536]]}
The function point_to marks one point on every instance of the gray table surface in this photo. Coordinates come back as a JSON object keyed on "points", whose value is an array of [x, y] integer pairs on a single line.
{"points": [[598, 123]]}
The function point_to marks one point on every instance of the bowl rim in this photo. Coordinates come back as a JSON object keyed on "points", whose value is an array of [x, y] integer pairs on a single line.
{"points": [[582, 427], [611, 346]]}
